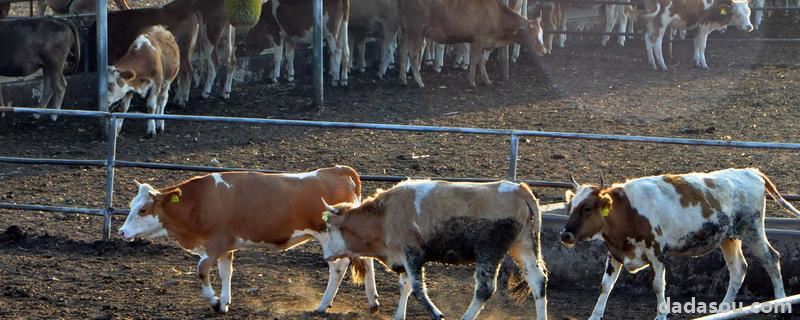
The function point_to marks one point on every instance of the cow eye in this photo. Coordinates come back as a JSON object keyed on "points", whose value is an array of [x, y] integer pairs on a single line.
{"points": [[587, 209], [141, 210]]}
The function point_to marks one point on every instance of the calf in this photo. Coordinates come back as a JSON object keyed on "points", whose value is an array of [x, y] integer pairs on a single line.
{"points": [[149, 67], [420, 221], [690, 14], [214, 215], [485, 24], [644, 220], [217, 32], [40, 43], [179, 17], [265, 38], [368, 17], [296, 27]]}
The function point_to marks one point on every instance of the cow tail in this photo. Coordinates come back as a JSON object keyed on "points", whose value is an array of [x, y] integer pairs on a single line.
{"points": [[773, 192], [358, 268], [519, 288], [354, 178], [76, 46], [650, 15]]}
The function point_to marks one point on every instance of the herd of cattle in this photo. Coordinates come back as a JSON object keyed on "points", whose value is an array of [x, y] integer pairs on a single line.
{"points": [[641, 221], [423, 28]]}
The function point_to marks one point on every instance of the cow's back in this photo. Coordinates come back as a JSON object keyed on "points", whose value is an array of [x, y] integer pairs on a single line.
{"points": [[29, 42], [169, 53], [451, 21], [265, 208]]}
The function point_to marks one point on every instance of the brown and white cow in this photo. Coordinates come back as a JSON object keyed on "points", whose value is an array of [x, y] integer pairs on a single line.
{"points": [[705, 16], [265, 38], [418, 221], [216, 31], [179, 17], [296, 24], [214, 215], [643, 220], [149, 67], [485, 24], [76, 6]]}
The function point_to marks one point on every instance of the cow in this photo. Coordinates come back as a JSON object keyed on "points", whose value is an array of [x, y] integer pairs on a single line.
{"points": [[214, 215], [265, 38], [40, 43], [455, 21], [623, 17], [368, 17], [686, 15], [418, 221], [149, 67], [179, 17], [76, 6], [216, 31], [644, 220], [296, 28], [554, 18]]}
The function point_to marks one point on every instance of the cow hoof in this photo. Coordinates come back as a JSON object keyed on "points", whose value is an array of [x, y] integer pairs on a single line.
{"points": [[290, 79], [274, 81], [437, 69], [36, 116], [226, 95], [374, 309], [218, 307], [53, 117], [205, 96], [150, 135]]}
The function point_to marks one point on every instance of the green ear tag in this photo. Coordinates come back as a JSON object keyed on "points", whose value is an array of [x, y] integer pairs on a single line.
{"points": [[325, 216], [723, 11], [174, 198], [605, 211]]}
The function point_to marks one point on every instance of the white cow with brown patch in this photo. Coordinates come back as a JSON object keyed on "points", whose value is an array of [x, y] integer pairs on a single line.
{"points": [[214, 215], [421, 220], [644, 220], [148, 68], [704, 15]]}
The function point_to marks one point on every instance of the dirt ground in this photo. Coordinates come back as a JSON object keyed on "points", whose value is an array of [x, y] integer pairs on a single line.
{"points": [[55, 268]]}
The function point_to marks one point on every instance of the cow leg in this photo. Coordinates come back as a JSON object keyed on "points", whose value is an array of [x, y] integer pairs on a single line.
{"points": [[389, 38], [768, 257], [335, 58], [404, 285], [277, 59], [535, 275], [562, 26], [289, 60], [47, 92], [758, 16], [225, 269], [336, 271], [482, 64], [476, 57], [416, 275], [152, 108], [737, 268], [649, 38], [230, 59], [416, 60], [466, 54], [163, 97], [658, 44], [59, 87], [207, 55], [405, 50], [370, 287], [700, 47], [125, 104], [485, 286], [42, 5], [611, 19], [203, 270], [344, 54], [659, 286], [622, 24], [610, 277], [439, 58]]}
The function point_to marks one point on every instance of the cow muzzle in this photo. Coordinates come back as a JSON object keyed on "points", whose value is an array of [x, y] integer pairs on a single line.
{"points": [[568, 238], [125, 235]]}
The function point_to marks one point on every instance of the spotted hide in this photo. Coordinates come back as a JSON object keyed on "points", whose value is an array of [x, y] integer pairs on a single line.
{"points": [[643, 220], [214, 215], [421, 220]]}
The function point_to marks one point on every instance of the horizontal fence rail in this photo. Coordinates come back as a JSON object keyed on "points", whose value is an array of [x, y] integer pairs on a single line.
{"points": [[110, 162]]}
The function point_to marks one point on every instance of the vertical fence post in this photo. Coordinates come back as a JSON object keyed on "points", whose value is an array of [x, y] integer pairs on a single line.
{"points": [[317, 54], [512, 158], [504, 53], [111, 158], [102, 62]]}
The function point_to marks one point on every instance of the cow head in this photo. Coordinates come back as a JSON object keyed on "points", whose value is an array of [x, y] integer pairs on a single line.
{"points": [[531, 36], [122, 81], [353, 231], [586, 208], [738, 12], [143, 219]]}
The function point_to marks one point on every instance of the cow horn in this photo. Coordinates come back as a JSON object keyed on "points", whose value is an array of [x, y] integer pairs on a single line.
{"points": [[602, 182], [328, 207], [137, 182], [575, 184]]}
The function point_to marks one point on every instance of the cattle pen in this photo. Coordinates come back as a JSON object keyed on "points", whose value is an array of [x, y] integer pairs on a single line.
{"points": [[172, 296]]}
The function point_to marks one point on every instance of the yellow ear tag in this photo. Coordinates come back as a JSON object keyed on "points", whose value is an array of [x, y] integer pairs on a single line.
{"points": [[325, 216], [605, 211], [723, 11], [174, 199]]}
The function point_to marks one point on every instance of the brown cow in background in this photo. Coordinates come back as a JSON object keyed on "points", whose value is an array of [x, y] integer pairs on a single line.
{"points": [[76, 6]]}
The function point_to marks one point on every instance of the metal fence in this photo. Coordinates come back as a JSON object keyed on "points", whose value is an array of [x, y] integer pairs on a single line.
{"points": [[110, 162]]}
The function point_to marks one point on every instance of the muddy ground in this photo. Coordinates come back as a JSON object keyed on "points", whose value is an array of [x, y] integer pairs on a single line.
{"points": [[54, 268]]}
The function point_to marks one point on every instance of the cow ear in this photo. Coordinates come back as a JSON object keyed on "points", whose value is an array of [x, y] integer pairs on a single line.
{"points": [[724, 9], [173, 196], [127, 75], [569, 195]]}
